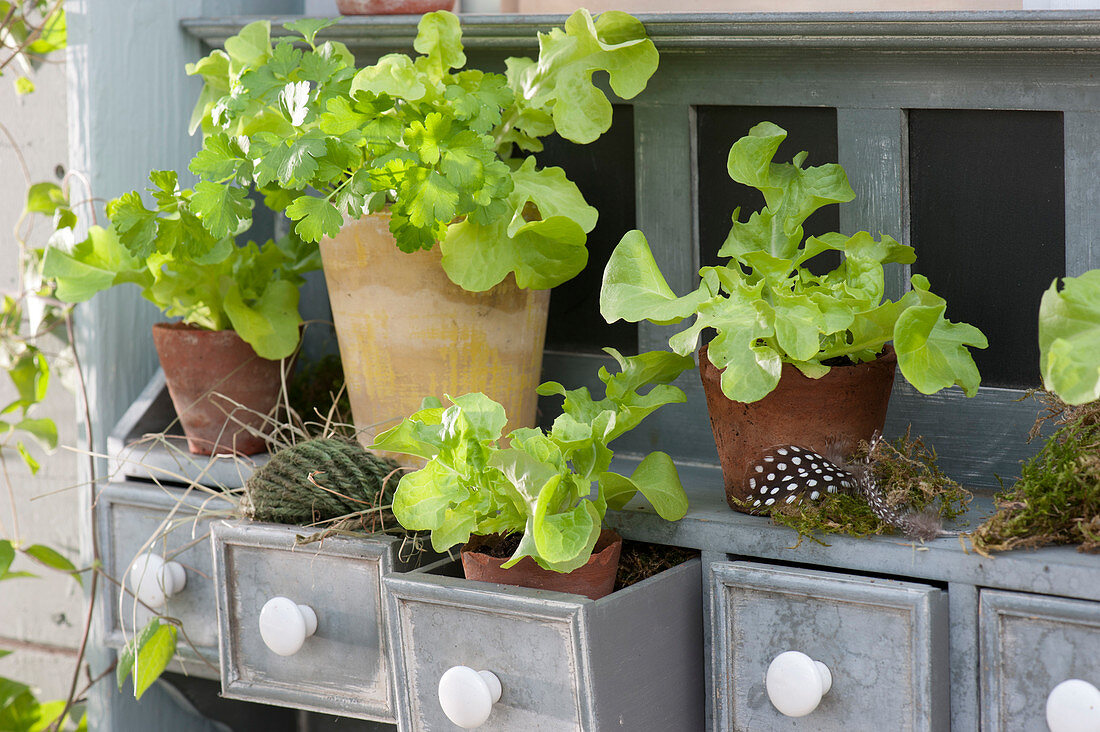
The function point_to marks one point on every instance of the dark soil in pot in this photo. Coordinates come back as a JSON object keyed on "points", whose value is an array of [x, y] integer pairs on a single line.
{"points": [[838, 410], [480, 561], [640, 560], [209, 373]]}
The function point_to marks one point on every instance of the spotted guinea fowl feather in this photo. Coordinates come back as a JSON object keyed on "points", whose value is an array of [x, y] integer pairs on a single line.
{"points": [[788, 474]]}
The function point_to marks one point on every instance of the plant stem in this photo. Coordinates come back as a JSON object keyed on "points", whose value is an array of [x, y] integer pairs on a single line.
{"points": [[18, 154], [83, 388], [71, 699], [32, 36], [11, 499]]}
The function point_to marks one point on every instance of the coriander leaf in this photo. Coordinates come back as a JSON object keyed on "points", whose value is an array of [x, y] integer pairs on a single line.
{"points": [[340, 117], [316, 218], [285, 60], [136, 225], [221, 208], [309, 27], [291, 165], [428, 197], [294, 99], [217, 160], [424, 138], [319, 69]]}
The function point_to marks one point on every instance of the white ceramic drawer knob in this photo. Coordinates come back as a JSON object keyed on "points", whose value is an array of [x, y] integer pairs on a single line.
{"points": [[1074, 706], [285, 625], [467, 696], [153, 580], [796, 683]]}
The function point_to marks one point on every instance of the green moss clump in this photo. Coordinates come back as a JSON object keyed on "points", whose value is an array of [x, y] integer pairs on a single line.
{"points": [[907, 474], [1057, 498]]}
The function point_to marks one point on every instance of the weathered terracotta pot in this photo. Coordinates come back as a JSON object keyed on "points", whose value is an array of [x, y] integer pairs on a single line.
{"points": [[595, 579], [407, 332], [205, 369], [843, 407], [392, 7]]}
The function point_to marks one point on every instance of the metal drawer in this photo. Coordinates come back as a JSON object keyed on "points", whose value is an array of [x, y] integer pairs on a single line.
{"points": [[630, 661], [884, 641], [133, 519], [1029, 645], [343, 668]]}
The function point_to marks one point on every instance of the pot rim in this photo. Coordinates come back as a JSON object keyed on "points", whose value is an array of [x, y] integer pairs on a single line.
{"points": [[606, 542], [886, 356]]}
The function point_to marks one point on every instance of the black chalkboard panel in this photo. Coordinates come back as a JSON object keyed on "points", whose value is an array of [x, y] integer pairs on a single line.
{"points": [[808, 128], [604, 172], [987, 198]]}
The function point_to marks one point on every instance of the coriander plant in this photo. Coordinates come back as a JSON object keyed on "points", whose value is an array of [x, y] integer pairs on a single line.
{"points": [[541, 484], [443, 147], [768, 309], [186, 271]]}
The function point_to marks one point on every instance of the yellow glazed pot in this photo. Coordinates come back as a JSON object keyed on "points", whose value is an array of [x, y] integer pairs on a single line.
{"points": [[407, 332]]}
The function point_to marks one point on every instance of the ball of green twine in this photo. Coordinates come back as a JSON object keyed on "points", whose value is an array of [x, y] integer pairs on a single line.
{"points": [[319, 480]]}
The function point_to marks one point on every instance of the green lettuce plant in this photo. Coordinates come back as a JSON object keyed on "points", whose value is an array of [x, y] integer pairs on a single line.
{"points": [[1069, 338], [768, 309], [554, 487], [209, 281], [442, 147]]}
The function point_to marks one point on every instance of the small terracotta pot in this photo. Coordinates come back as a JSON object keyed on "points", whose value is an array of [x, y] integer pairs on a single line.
{"points": [[392, 7], [202, 367], [843, 407], [595, 579]]}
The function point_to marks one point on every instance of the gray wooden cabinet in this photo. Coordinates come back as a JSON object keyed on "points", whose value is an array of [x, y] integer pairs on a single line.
{"points": [[918, 637]]}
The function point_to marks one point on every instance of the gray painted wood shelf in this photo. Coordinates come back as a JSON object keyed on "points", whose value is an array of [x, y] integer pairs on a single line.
{"points": [[711, 526]]}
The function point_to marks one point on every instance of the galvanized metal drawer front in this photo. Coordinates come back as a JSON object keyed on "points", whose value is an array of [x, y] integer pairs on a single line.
{"points": [[134, 519], [629, 661], [885, 643], [530, 639], [1029, 645], [343, 667]]}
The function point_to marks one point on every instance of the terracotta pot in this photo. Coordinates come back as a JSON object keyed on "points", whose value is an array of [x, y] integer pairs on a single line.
{"points": [[392, 7], [407, 332], [595, 579], [205, 369], [845, 406]]}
